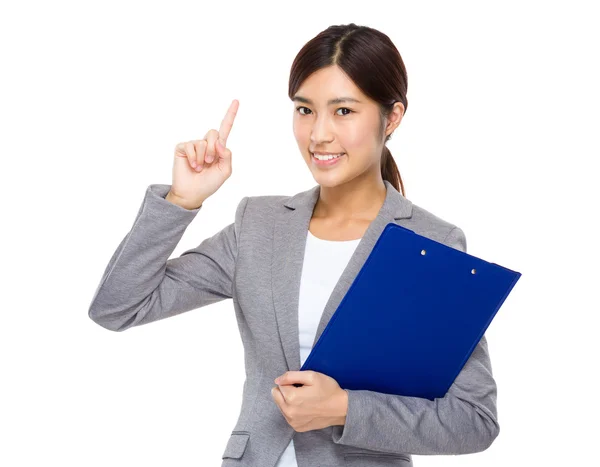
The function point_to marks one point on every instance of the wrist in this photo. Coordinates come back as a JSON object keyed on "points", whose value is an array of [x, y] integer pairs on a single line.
{"points": [[341, 408], [172, 198]]}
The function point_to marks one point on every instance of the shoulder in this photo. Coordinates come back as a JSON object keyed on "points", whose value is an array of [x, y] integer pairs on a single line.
{"points": [[263, 205], [426, 223], [427, 220], [256, 213]]}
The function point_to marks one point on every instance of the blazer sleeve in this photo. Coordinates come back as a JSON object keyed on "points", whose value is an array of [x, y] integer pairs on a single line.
{"points": [[464, 421], [141, 284]]}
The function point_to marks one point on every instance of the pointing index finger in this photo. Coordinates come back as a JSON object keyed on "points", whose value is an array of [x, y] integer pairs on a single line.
{"points": [[227, 122]]}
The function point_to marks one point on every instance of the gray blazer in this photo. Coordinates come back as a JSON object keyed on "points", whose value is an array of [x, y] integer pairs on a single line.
{"points": [[257, 261]]}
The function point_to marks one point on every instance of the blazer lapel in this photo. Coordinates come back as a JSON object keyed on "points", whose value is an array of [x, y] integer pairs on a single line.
{"points": [[289, 243]]}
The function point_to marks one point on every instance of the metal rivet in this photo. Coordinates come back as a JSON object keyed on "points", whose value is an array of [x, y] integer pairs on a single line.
{"points": [[473, 271], [423, 252]]}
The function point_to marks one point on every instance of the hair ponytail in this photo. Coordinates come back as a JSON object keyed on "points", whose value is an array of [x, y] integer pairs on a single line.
{"points": [[389, 170]]}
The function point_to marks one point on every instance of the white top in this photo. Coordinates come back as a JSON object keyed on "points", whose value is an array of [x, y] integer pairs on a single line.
{"points": [[324, 262]]}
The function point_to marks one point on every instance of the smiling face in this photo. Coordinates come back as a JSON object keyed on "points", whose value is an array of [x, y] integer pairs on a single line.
{"points": [[350, 127]]}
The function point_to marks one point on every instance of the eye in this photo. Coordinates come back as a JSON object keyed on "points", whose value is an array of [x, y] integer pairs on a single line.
{"points": [[341, 108], [301, 107]]}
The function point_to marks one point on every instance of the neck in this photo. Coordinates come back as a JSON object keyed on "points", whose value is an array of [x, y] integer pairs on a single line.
{"points": [[355, 199]]}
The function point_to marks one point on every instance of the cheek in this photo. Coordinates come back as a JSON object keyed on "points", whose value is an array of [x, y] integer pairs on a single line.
{"points": [[301, 132], [356, 138]]}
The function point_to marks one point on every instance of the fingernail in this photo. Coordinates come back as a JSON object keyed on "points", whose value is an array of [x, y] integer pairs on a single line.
{"points": [[194, 164]]}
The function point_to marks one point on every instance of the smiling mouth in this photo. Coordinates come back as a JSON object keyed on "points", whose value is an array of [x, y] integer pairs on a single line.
{"points": [[327, 157], [327, 163]]}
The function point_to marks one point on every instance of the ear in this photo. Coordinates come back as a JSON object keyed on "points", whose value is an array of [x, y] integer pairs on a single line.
{"points": [[394, 118]]}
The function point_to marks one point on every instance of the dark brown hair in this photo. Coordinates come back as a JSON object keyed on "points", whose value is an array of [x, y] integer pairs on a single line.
{"points": [[371, 61]]}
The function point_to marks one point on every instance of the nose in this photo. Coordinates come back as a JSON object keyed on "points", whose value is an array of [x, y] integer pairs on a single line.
{"points": [[320, 131]]}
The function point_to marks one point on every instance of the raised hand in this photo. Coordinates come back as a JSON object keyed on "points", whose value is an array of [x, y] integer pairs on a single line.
{"points": [[202, 166]]}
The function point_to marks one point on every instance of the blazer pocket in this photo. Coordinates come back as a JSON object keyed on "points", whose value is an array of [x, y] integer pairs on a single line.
{"points": [[236, 445], [381, 459]]}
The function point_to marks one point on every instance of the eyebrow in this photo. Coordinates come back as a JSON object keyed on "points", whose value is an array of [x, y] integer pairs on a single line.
{"points": [[337, 100]]}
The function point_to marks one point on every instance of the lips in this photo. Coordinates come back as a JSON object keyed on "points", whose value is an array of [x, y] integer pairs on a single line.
{"points": [[328, 154], [326, 163]]}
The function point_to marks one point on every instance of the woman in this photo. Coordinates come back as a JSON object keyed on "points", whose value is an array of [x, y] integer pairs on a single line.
{"points": [[287, 261]]}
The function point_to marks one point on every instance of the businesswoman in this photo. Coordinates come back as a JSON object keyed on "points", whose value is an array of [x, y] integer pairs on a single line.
{"points": [[287, 261]]}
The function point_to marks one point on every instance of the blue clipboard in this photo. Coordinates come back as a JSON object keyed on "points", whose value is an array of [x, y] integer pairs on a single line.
{"points": [[412, 317]]}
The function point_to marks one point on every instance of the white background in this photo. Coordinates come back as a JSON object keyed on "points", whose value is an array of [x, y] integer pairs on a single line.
{"points": [[500, 138]]}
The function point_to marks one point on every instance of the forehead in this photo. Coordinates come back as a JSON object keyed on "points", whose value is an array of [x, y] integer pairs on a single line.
{"points": [[328, 86]]}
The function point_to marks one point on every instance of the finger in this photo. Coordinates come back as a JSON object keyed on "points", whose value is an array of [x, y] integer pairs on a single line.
{"points": [[190, 153], [180, 150], [222, 151], [279, 397], [200, 146], [210, 146], [289, 393], [227, 122], [296, 377]]}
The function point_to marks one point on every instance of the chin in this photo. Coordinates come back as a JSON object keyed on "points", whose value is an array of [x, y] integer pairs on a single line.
{"points": [[329, 180]]}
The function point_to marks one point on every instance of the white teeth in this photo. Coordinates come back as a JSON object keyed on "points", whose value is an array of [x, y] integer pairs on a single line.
{"points": [[328, 157]]}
